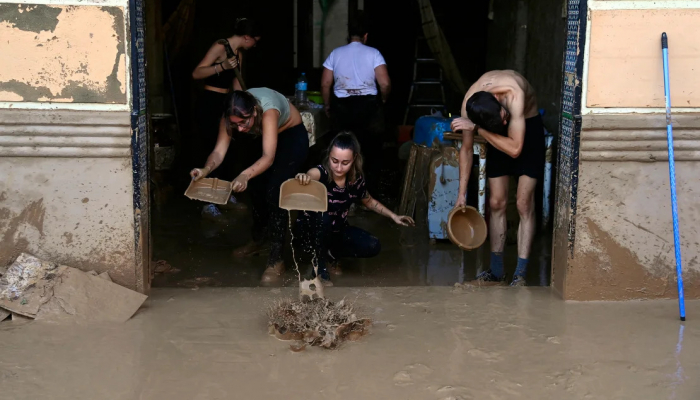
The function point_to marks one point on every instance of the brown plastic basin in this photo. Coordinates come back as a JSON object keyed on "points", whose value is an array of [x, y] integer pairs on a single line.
{"points": [[295, 196], [211, 190], [466, 228]]}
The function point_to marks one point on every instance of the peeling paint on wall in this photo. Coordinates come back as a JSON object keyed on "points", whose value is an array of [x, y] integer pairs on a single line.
{"points": [[10, 96], [30, 18], [62, 54]]}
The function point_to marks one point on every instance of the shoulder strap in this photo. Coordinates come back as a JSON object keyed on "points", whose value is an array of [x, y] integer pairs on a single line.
{"points": [[227, 46], [230, 54]]}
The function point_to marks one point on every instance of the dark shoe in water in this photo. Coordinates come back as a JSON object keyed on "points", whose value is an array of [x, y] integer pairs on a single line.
{"points": [[251, 248], [334, 269], [212, 213], [518, 281], [273, 275], [323, 274], [486, 278], [325, 277], [234, 205]]}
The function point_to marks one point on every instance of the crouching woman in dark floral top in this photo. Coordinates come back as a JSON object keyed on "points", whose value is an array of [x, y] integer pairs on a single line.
{"points": [[324, 238]]}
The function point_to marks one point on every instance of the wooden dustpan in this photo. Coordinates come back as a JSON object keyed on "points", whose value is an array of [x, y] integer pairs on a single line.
{"points": [[211, 190]]}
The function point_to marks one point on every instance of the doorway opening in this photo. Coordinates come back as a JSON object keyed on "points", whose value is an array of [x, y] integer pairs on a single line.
{"points": [[190, 250]]}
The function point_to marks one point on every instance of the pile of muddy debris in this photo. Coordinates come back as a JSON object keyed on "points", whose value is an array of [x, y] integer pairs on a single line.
{"points": [[31, 288], [317, 322]]}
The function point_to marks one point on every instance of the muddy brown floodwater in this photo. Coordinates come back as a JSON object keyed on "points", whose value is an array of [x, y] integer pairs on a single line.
{"points": [[425, 343]]}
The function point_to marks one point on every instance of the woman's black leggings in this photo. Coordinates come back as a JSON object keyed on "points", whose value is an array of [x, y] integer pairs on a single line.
{"points": [[268, 218], [315, 238]]}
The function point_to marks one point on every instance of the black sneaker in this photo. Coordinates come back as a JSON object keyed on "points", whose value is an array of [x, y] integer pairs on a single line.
{"points": [[486, 278], [212, 213], [518, 281]]}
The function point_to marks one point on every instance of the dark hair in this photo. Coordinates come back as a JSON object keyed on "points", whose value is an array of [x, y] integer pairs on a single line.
{"points": [[246, 27], [358, 26], [344, 141], [243, 105], [484, 110]]}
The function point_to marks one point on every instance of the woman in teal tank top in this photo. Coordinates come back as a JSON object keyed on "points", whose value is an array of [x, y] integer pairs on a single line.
{"points": [[284, 142]]}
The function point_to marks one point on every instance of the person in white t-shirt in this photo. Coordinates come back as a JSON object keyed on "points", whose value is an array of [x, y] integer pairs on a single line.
{"points": [[360, 81]]}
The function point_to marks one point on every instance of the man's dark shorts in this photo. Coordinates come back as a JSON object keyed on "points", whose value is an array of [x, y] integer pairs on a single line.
{"points": [[531, 159]]}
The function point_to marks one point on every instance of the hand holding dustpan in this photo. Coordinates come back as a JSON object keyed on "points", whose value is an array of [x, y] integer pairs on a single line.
{"points": [[211, 190], [306, 195]]}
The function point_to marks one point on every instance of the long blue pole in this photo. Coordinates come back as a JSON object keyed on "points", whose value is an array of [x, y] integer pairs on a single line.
{"points": [[672, 173]]}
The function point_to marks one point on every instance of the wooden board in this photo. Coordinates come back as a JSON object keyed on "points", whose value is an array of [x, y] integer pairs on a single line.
{"points": [[408, 177], [415, 186]]}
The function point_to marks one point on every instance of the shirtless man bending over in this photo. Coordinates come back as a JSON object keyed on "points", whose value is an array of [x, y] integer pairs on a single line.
{"points": [[501, 107]]}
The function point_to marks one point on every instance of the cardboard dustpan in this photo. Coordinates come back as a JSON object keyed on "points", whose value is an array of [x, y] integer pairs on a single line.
{"points": [[211, 190], [311, 197]]}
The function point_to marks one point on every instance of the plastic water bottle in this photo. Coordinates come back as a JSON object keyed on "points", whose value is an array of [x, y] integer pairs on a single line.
{"points": [[301, 90]]}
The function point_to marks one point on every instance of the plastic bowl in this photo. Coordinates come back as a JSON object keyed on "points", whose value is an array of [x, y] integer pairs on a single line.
{"points": [[466, 228]]}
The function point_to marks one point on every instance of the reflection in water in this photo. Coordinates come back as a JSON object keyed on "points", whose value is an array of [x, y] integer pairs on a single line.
{"points": [[201, 248], [679, 376]]}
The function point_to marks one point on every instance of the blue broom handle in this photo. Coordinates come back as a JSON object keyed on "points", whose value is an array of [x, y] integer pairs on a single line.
{"points": [[672, 173]]}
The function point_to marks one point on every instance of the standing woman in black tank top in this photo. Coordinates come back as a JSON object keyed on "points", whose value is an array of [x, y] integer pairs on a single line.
{"points": [[221, 71]]}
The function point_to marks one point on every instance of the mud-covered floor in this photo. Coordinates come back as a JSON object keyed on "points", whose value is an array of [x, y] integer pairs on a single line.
{"points": [[426, 343], [202, 251]]}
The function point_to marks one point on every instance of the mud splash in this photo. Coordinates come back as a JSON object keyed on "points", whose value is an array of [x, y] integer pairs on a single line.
{"points": [[314, 320], [317, 322], [309, 289]]}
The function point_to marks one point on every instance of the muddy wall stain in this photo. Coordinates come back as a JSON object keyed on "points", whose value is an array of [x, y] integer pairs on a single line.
{"points": [[62, 54], [12, 244], [54, 221], [624, 247], [624, 278]]}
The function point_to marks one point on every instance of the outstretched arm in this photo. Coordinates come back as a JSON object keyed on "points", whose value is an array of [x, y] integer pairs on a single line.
{"points": [[466, 153], [374, 205], [466, 159]]}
